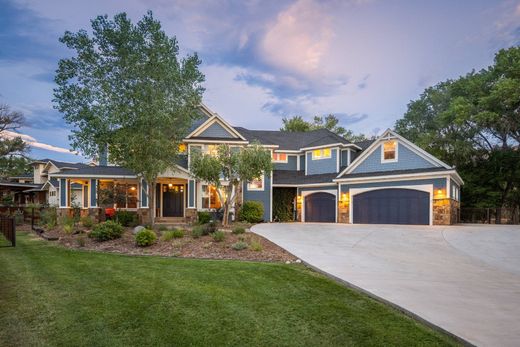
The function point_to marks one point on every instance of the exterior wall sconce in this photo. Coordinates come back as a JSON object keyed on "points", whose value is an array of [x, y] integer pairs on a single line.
{"points": [[344, 198]]}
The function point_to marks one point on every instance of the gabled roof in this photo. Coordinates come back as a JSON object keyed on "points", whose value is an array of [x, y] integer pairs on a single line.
{"points": [[215, 118], [386, 135], [98, 171]]}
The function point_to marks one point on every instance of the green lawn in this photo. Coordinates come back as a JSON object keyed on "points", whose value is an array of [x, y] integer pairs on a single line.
{"points": [[53, 296]]}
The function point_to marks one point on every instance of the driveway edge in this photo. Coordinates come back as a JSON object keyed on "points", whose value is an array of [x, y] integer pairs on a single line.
{"points": [[384, 301]]}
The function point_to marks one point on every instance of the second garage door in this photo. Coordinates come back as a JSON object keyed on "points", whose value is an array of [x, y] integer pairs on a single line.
{"points": [[320, 207], [392, 206]]}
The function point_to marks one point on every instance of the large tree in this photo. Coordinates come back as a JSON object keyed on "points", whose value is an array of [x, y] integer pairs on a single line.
{"points": [[126, 89], [330, 122], [473, 122], [233, 166], [13, 149]]}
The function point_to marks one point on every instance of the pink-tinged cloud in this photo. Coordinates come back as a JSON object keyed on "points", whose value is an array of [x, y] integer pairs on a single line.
{"points": [[31, 141]]}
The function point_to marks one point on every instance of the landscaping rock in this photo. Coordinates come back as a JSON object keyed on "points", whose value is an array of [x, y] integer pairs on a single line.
{"points": [[138, 229]]}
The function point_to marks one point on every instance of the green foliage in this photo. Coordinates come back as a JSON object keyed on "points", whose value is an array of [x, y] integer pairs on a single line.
{"points": [[108, 230], [197, 231], [256, 245], [472, 123], [87, 222], [68, 228], [330, 122], [12, 149], [295, 124], [203, 217], [162, 228], [18, 217], [210, 228], [67, 221], [283, 204], [252, 211], [7, 200], [218, 236], [49, 217], [81, 241], [126, 218], [173, 234], [240, 245], [145, 238], [238, 230], [232, 165]]}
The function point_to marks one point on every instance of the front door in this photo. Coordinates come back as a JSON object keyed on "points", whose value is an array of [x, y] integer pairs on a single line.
{"points": [[173, 200]]}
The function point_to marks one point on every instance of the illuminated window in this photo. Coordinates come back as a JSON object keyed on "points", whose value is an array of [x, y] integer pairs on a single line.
{"points": [[280, 157], [182, 148], [389, 151], [256, 184], [212, 150], [321, 153], [210, 198]]}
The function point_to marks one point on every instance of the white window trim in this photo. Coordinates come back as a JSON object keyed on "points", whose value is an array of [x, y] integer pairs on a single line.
{"points": [[383, 160], [280, 161], [249, 188], [322, 150]]}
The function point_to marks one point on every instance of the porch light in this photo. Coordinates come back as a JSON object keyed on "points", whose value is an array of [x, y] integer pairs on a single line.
{"points": [[132, 188], [299, 198], [344, 197], [170, 185]]}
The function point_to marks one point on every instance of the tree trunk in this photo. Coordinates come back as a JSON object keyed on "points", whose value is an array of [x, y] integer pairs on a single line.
{"points": [[151, 202], [227, 204]]}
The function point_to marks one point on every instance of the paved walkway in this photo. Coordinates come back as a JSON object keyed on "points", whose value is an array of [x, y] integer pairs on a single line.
{"points": [[465, 279]]}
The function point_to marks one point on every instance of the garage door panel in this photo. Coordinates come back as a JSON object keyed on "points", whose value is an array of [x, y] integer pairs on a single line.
{"points": [[320, 207], [392, 206]]}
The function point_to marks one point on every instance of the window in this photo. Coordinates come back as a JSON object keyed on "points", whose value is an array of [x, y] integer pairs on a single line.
{"points": [[389, 153], [256, 184], [210, 198], [321, 153], [280, 157], [117, 194], [212, 150], [182, 148]]}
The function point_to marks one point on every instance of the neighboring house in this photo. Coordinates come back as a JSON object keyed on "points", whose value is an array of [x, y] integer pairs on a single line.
{"points": [[387, 180]]}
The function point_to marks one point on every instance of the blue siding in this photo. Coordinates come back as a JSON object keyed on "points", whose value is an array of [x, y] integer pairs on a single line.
{"points": [[63, 192], [144, 193], [292, 164], [438, 183], [322, 165], [216, 130], [453, 184], [406, 159], [344, 158], [302, 162], [264, 196], [198, 122], [191, 193], [93, 193]]}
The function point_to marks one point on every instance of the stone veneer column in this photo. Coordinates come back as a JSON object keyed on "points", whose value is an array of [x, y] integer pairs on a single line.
{"points": [[445, 211], [343, 211]]}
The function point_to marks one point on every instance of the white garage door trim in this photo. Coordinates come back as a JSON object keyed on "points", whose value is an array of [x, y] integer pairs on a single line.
{"points": [[329, 191], [422, 187]]}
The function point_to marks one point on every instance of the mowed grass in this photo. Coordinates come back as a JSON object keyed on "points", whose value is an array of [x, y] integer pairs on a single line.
{"points": [[54, 296]]}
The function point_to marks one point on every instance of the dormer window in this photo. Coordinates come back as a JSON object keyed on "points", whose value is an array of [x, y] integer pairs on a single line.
{"points": [[321, 153], [389, 151], [279, 157]]}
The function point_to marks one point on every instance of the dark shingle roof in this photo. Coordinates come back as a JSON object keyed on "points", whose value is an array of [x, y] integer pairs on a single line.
{"points": [[394, 172], [364, 144], [207, 138], [292, 140], [64, 164], [99, 171], [281, 177]]}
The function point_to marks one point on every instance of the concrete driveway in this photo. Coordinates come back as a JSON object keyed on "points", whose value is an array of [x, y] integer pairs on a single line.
{"points": [[464, 279]]}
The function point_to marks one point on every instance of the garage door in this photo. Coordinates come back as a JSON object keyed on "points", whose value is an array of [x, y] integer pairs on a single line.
{"points": [[320, 207], [392, 206]]}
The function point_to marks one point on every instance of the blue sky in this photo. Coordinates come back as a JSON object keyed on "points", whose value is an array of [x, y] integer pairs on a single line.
{"points": [[362, 60]]}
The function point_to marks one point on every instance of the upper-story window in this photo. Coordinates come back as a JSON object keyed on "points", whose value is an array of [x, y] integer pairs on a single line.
{"points": [[279, 157], [389, 151], [321, 153], [182, 148], [256, 184], [212, 150]]}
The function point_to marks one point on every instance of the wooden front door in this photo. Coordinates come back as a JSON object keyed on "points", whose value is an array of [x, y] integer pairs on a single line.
{"points": [[173, 200]]}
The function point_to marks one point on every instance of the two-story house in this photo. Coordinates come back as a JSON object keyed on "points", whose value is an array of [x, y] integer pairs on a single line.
{"points": [[388, 180]]}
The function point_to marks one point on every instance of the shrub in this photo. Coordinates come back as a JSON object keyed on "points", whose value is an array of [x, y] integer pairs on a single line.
{"points": [[238, 246], [81, 241], [256, 245], [68, 223], [203, 217], [252, 211], [126, 218], [197, 232], [145, 237], [210, 228], [238, 230], [173, 234], [87, 222], [67, 228], [163, 228], [108, 230], [18, 217], [49, 217], [218, 236]]}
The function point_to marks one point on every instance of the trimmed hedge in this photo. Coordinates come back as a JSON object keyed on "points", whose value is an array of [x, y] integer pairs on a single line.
{"points": [[108, 230], [252, 211]]}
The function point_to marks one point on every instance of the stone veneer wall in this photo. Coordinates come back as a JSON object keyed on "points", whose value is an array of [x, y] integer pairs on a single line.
{"points": [[190, 215], [343, 212], [445, 211]]}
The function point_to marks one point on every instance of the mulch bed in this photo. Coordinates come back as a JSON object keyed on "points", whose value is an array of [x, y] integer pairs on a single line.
{"points": [[203, 247]]}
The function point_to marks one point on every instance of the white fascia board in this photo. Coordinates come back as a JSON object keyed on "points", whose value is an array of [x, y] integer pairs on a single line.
{"points": [[305, 185], [401, 177], [342, 145], [286, 150], [215, 141], [94, 176]]}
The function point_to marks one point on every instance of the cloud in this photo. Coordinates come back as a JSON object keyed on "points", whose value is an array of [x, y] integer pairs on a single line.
{"points": [[31, 141]]}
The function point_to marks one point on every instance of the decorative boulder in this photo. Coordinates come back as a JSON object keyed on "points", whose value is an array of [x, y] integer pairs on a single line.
{"points": [[138, 229]]}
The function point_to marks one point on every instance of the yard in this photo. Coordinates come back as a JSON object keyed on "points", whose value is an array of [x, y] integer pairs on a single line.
{"points": [[50, 295]]}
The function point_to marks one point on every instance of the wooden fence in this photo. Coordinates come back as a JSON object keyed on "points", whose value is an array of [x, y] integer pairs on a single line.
{"points": [[8, 229], [490, 215]]}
